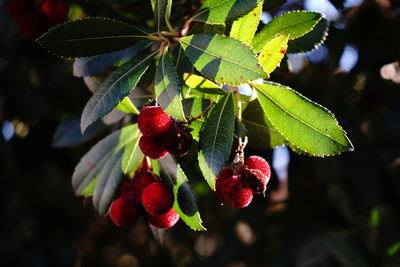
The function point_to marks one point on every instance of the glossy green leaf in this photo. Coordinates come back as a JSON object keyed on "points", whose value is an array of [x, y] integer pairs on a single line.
{"points": [[168, 89], [132, 157], [221, 11], [214, 28], [262, 135], [245, 27], [216, 139], [118, 85], [295, 23], [107, 183], [185, 202], [305, 124], [203, 85], [272, 54], [194, 107], [162, 12], [93, 161], [311, 40], [127, 106], [89, 37], [222, 59]]}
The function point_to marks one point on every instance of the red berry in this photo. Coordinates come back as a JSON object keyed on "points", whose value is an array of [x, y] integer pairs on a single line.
{"points": [[258, 163], [55, 11], [141, 180], [123, 212], [257, 180], [152, 147], [157, 198], [32, 26], [125, 189], [178, 140], [153, 121], [166, 220], [222, 176], [19, 8], [237, 192]]}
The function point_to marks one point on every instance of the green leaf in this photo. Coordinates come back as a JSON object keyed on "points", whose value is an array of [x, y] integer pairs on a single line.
{"points": [[305, 124], [168, 89], [93, 161], [132, 157], [216, 139], [89, 37], [162, 12], [89, 189], [194, 107], [214, 28], [271, 5], [107, 183], [311, 40], [127, 106], [222, 59], [295, 23], [114, 89], [203, 85], [262, 135], [185, 202], [221, 11], [245, 27], [272, 54]]}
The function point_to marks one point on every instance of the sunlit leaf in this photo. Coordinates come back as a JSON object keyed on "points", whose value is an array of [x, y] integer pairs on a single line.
{"points": [[221, 11], [272, 54], [307, 125], [216, 139], [245, 27], [222, 59], [185, 202], [168, 89], [203, 85], [295, 23]]}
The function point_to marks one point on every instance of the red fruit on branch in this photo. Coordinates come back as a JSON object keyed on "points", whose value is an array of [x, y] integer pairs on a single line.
{"points": [[178, 140], [123, 212], [152, 147], [258, 163], [257, 180], [55, 11], [140, 181], [153, 121], [157, 198], [166, 220], [237, 192], [222, 176]]}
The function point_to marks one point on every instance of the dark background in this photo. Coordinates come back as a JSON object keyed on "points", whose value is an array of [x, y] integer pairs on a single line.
{"points": [[341, 211]]}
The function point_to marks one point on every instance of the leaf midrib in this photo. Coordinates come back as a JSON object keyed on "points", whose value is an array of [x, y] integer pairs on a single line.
{"points": [[296, 118], [223, 58]]}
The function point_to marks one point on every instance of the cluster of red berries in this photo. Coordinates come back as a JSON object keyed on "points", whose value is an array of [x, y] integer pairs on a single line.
{"points": [[236, 184], [34, 17], [147, 195], [161, 134]]}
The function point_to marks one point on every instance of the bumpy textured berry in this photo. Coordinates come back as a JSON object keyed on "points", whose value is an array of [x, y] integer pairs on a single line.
{"points": [[141, 180], [152, 147], [166, 220], [157, 198], [54, 10], [236, 192], [178, 140], [222, 176], [123, 212], [257, 180], [258, 163], [153, 121], [19, 8]]}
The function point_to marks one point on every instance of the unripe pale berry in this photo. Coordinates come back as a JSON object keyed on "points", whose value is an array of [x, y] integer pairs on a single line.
{"points": [[166, 220], [236, 192], [258, 163], [123, 212], [157, 198], [152, 147], [153, 121]]}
